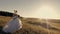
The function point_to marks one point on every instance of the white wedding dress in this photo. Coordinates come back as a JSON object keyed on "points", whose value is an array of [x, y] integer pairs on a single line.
{"points": [[13, 25]]}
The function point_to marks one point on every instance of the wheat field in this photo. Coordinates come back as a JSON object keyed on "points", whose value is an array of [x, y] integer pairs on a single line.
{"points": [[35, 25]]}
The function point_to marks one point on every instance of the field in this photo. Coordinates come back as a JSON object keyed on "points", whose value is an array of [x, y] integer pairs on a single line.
{"points": [[35, 25]]}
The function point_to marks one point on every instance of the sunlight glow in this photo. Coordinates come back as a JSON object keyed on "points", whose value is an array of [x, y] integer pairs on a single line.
{"points": [[46, 11]]}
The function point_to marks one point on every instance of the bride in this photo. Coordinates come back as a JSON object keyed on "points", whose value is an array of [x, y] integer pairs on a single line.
{"points": [[14, 24]]}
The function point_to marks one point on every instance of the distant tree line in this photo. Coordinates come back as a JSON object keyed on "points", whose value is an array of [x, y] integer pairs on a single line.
{"points": [[5, 13], [8, 14]]}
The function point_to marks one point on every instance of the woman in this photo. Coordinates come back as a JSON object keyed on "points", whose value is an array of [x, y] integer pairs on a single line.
{"points": [[14, 24]]}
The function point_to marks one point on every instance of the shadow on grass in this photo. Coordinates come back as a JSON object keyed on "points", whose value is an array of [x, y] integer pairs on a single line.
{"points": [[2, 32]]}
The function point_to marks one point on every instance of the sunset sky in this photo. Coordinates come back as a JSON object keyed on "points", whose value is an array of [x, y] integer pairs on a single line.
{"points": [[33, 8]]}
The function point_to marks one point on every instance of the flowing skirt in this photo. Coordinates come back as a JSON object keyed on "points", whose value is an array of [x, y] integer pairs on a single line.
{"points": [[13, 25]]}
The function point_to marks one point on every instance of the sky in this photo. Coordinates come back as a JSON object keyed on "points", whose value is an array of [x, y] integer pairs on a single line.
{"points": [[33, 8]]}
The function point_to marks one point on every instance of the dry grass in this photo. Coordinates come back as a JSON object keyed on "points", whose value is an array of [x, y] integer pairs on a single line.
{"points": [[34, 26]]}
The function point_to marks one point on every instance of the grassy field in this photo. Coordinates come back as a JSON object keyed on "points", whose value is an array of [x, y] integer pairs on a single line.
{"points": [[35, 25]]}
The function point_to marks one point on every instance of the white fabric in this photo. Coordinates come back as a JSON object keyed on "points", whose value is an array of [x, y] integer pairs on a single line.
{"points": [[13, 25]]}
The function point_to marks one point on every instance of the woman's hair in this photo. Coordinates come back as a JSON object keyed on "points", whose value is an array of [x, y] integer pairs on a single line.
{"points": [[18, 15]]}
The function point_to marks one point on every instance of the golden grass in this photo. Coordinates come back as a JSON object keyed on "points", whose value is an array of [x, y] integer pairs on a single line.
{"points": [[30, 26]]}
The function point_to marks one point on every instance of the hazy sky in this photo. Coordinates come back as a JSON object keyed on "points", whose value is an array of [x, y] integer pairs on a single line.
{"points": [[33, 8]]}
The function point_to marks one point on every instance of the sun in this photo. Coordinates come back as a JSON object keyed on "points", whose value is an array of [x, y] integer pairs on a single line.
{"points": [[46, 11]]}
